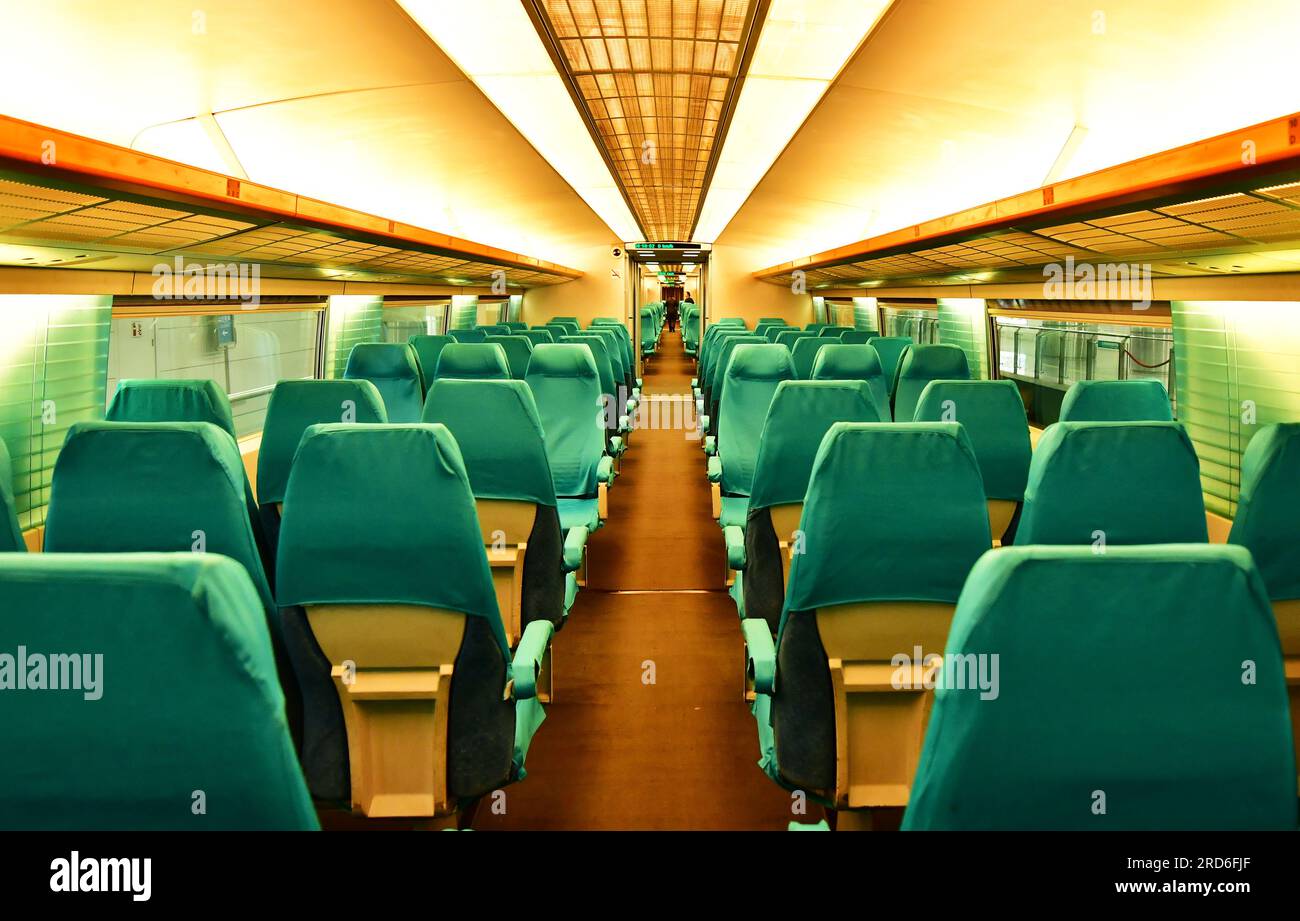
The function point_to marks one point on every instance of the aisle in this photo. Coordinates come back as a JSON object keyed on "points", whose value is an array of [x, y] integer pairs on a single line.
{"points": [[617, 752]]}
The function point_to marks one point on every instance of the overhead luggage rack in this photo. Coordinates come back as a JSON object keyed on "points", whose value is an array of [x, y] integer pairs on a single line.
{"points": [[68, 201]]}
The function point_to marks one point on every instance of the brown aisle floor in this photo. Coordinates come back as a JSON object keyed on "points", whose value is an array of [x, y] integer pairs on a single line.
{"points": [[617, 752]]}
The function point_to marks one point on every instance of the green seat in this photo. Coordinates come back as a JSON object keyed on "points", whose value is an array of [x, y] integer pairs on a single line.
{"points": [[569, 324], [494, 329], [788, 337], [427, 349], [11, 535], [615, 415], [815, 328], [566, 388], [391, 367], [772, 332], [723, 351], [516, 326], [833, 332], [434, 712], [477, 361], [753, 374], [893, 520], [1116, 401], [613, 349], [518, 350], [846, 362], [858, 336], [150, 400], [1113, 483], [137, 487], [993, 415], [172, 691], [1267, 524], [295, 405], [890, 349], [801, 414], [467, 335], [497, 429], [804, 354], [649, 332], [921, 364], [1119, 701], [539, 336]]}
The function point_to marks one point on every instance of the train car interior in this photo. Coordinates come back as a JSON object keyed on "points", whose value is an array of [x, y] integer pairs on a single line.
{"points": [[650, 415]]}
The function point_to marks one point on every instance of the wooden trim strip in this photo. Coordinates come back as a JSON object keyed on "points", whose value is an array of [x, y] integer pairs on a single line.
{"points": [[1275, 145]]}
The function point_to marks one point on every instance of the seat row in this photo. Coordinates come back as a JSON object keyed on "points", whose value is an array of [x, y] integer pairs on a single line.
{"points": [[831, 591]]}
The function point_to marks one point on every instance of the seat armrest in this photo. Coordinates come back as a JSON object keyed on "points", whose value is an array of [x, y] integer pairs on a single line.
{"points": [[605, 470], [695, 382], [527, 663], [715, 469], [735, 538], [760, 654], [575, 543], [624, 425], [710, 441]]}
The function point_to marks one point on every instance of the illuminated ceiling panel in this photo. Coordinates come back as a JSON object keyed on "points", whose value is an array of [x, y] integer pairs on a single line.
{"points": [[656, 81]]}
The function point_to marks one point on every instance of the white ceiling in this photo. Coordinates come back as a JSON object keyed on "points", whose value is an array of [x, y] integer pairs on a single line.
{"points": [[346, 101], [950, 104]]}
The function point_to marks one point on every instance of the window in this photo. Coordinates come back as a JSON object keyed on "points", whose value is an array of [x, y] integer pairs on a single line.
{"points": [[246, 352]]}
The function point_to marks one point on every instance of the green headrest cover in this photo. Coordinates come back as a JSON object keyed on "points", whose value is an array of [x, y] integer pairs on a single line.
{"points": [[172, 651], [1269, 507], [518, 350], [515, 324], [922, 364], [494, 329], [564, 319], [427, 349], [840, 362], [405, 488], [566, 386], [539, 336], [771, 332], [800, 415], [599, 352], [1135, 482], [993, 415], [149, 400], [857, 336], [789, 337], [294, 406], [721, 352], [805, 354], [890, 349], [467, 335], [127, 487], [499, 433], [753, 374], [894, 512], [815, 327], [11, 535], [391, 367], [1117, 675], [832, 331], [1116, 401], [473, 361]]}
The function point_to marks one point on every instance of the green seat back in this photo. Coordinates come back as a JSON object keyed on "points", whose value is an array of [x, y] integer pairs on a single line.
{"points": [[857, 336], [921, 364], [467, 335], [613, 348], [1268, 512], [494, 329], [391, 367], [722, 354], [801, 414], [604, 368], [187, 698], [804, 354], [295, 405], [1119, 700], [566, 388], [539, 336], [833, 332], [772, 332], [129, 487], [1116, 401], [893, 512], [473, 361], [11, 535], [515, 326], [841, 362], [754, 372], [788, 337], [649, 328], [518, 350], [568, 324], [1121, 482], [149, 400], [890, 349], [427, 349], [815, 327], [993, 415]]}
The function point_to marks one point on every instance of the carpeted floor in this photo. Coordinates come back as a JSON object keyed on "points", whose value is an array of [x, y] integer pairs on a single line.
{"points": [[619, 751]]}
